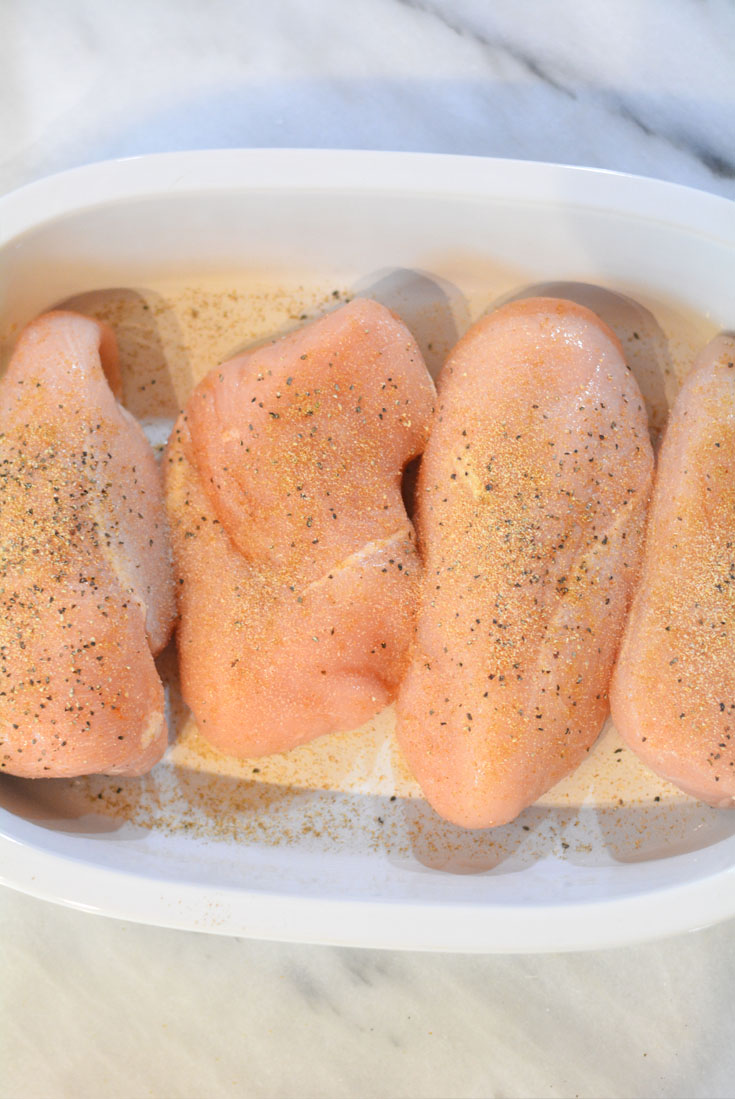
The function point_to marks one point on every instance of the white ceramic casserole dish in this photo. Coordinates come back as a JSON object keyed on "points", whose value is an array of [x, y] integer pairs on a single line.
{"points": [[344, 854]]}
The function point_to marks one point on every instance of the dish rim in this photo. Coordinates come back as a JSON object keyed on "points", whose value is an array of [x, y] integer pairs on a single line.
{"points": [[147, 174]]}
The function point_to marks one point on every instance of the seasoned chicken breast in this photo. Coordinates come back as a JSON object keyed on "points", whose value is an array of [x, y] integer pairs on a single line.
{"points": [[531, 504], [295, 557], [86, 586], [673, 691]]}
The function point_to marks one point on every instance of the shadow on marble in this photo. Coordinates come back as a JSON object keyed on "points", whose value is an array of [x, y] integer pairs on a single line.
{"points": [[508, 114]]}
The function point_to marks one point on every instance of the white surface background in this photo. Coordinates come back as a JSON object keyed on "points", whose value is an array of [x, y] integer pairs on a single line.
{"points": [[91, 1007]]}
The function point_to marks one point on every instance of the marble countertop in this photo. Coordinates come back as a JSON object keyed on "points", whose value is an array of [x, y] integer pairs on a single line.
{"points": [[94, 1007]]}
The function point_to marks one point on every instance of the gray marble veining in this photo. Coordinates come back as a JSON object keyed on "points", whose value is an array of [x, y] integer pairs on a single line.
{"points": [[646, 88], [96, 1007]]}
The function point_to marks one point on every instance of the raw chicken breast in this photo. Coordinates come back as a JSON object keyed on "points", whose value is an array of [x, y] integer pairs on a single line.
{"points": [[531, 504], [673, 691], [295, 556], [86, 587]]}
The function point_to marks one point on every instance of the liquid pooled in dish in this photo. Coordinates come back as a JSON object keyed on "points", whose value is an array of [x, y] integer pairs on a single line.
{"points": [[86, 588], [673, 692], [530, 512], [295, 557]]}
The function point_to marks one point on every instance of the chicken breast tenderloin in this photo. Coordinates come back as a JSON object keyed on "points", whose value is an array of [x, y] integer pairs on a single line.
{"points": [[531, 503], [86, 586], [295, 557], [673, 691]]}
